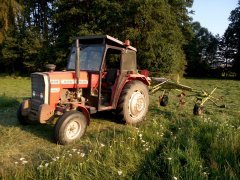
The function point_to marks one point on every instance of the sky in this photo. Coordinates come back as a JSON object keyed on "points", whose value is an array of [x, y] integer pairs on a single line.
{"points": [[213, 14]]}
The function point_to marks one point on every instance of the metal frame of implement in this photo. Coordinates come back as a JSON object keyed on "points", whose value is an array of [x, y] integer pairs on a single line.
{"points": [[202, 96]]}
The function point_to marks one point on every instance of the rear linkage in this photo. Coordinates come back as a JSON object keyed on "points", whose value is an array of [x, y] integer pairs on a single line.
{"points": [[201, 96]]}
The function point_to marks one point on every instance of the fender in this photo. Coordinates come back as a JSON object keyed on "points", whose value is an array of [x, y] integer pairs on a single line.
{"points": [[84, 110], [123, 81]]}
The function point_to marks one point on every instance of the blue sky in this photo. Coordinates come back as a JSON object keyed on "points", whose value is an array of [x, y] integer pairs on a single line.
{"points": [[214, 14]]}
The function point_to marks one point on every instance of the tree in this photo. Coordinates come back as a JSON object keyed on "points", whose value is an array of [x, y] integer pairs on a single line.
{"points": [[232, 38], [153, 26], [8, 11], [201, 51]]}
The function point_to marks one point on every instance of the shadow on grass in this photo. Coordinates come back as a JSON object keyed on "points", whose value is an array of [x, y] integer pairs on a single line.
{"points": [[8, 112]]}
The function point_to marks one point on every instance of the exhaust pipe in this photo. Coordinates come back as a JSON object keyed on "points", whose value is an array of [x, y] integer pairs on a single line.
{"points": [[77, 63]]}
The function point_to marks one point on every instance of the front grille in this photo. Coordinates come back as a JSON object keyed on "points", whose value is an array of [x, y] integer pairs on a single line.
{"points": [[38, 90]]}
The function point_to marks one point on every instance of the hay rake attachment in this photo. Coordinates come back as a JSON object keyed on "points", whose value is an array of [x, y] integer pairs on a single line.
{"points": [[201, 96]]}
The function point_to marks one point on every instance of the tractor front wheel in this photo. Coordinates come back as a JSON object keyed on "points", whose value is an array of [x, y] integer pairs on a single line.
{"points": [[70, 127], [133, 103]]}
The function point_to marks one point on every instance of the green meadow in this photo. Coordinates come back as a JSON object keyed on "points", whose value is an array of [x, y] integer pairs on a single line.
{"points": [[171, 143]]}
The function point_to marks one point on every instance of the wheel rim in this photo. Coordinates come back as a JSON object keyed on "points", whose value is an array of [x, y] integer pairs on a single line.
{"points": [[136, 104], [73, 129]]}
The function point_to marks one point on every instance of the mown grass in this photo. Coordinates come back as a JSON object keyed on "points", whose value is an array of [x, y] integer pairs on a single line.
{"points": [[170, 144]]}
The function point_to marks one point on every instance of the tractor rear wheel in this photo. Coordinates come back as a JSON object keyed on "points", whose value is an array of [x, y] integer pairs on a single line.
{"points": [[22, 119], [70, 127], [133, 103]]}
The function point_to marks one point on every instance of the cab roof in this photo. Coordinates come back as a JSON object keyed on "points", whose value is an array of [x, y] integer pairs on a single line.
{"points": [[103, 39]]}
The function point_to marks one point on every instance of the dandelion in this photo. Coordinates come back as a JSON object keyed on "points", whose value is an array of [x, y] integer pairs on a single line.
{"points": [[82, 154], [46, 165], [120, 173], [175, 178], [21, 159], [102, 145], [169, 158]]}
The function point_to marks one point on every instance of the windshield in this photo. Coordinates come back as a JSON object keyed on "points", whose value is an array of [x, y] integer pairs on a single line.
{"points": [[90, 57]]}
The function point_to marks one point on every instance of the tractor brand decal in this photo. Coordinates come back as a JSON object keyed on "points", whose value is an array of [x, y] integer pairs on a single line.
{"points": [[54, 81], [71, 81], [67, 81], [55, 90]]}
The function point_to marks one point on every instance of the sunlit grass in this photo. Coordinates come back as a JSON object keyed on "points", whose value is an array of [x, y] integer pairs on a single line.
{"points": [[170, 144]]}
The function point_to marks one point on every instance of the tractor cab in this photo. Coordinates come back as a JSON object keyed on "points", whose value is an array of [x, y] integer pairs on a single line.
{"points": [[107, 61]]}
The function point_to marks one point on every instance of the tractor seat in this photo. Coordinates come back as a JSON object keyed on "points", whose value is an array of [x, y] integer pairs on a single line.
{"points": [[110, 78]]}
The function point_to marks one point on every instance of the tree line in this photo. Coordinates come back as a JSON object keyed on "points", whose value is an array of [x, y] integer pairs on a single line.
{"points": [[36, 32]]}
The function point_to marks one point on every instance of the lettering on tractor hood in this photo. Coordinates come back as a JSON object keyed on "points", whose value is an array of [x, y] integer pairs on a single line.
{"points": [[68, 81]]}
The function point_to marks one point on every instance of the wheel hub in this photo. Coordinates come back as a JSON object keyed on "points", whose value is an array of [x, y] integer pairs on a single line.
{"points": [[73, 129], [136, 104]]}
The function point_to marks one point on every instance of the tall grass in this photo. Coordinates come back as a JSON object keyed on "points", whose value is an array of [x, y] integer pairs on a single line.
{"points": [[170, 144]]}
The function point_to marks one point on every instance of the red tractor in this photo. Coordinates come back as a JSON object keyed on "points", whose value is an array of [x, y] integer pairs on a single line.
{"points": [[101, 75]]}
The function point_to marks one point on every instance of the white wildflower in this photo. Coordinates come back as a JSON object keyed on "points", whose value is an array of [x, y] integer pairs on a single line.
{"points": [[102, 145], [140, 135], [24, 162], [120, 173], [175, 178], [40, 166], [70, 155], [147, 149], [82, 154], [169, 158], [57, 157], [21, 159], [16, 162], [74, 150], [54, 159], [46, 165]]}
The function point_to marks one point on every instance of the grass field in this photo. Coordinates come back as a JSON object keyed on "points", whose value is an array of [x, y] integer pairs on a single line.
{"points": [[170, 144]]}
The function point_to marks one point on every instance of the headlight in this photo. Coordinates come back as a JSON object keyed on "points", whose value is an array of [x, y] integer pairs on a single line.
{"points": [[33, 93], [41, 95]]}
